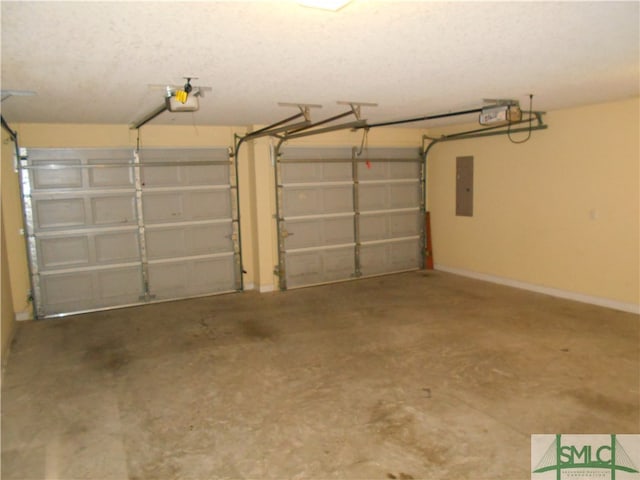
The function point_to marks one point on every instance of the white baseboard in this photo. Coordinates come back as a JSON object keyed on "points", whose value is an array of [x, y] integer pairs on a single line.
{"points": [[23, 316], [261, 288], [554, 292]]}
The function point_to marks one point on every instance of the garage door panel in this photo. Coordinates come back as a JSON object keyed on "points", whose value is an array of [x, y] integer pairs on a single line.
{"points": [[304, 264], [164, 243], [373, 197], [318, 232], [405, 255], [405, 224], [119, 285], [317, 200], [186, 241], [202, 280], [88, 290], [176, 175], [59, 213], [186, 206], [315, 172], [67, 251], [389, 196], [382, 226], [58, 177], [114, 210], [71, 290], [100, 229], [403, 195], [169, 280], [216, 238], [337, 199], [117, 247], [302, 201], [338, 230], [329, 198], [103, 155], [209, 175], [214, 204], [161, 176], [373, 227], [317, 154], [338, 263], [392, 170], [162, 207], [389, 257], [110, 177], [303, 233], [308, 268], [403, 170], [178, 155]]}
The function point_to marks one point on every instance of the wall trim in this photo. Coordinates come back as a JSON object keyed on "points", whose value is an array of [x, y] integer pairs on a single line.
{"points": [[23, 316], [267, 288], [248, 286], [554, 292]]}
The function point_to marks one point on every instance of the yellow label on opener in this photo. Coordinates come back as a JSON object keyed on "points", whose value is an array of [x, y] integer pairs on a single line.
{"points": [[181, 96]]}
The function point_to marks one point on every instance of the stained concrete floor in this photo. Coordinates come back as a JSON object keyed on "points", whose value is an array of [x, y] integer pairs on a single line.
{"points": [[419, 375]]}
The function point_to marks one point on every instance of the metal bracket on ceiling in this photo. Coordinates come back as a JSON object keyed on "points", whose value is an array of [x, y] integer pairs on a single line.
{"points": [[343, 126], [312, 130], [285, 125], [489, 131], [305, 108], [16, 93], [500, 101], [355, 106]]}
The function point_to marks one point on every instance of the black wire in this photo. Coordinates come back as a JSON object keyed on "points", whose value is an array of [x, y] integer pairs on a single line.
{"points": [[419, 119], [530, 119], [14, 137], [12, 133]]}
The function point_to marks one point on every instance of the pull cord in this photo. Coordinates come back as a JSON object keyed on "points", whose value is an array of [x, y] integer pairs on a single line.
{"points": [[530, 125]]}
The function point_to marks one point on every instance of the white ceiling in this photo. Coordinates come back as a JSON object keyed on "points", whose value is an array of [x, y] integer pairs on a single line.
{"points": [[92, 62]]}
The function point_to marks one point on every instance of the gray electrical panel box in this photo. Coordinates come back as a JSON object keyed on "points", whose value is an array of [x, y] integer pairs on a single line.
{"points": [[464, 186]]}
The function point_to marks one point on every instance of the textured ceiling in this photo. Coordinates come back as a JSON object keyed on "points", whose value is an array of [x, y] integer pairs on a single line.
{"points": [[93, 62]]}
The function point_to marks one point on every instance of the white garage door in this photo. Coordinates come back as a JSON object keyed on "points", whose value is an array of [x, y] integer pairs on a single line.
{"points": [[341, 216], [109, 227]]}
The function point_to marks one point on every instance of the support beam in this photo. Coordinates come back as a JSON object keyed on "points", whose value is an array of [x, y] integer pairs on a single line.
{"points": [[342, 126]]}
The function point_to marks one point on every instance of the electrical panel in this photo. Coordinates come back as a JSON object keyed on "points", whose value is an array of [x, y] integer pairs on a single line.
{"points": [[464, 186]]}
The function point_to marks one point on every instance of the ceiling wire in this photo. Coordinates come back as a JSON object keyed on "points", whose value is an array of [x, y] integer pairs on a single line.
{"points": [[526, 139]]}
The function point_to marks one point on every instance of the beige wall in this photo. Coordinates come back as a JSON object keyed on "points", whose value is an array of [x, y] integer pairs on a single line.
{"points": [[560, 211], [8, 322], [13, 224], [10, 222]]}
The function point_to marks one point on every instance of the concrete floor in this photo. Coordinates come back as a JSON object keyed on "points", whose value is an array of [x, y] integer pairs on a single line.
{"points": [[419, 375]]}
